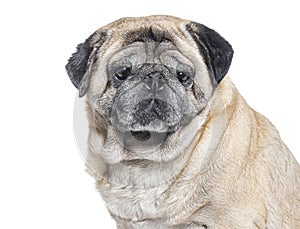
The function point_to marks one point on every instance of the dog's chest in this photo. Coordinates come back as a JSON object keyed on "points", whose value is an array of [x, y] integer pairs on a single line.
{"points": [[134, 203]]}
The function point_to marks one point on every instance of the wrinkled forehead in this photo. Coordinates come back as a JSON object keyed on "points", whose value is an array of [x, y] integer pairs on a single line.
{"points": [[147, 39], [147, 29], [148, 48], [142, 37], [149, 34], [162, 52]]}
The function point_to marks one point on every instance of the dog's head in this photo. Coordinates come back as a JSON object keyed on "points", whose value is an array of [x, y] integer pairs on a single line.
{"points": [[146, 79]]}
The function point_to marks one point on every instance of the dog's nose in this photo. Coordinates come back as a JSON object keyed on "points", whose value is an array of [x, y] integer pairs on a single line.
{"points": [[155, 81]]}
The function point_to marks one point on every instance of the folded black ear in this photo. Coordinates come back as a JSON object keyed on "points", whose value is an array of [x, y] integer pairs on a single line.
{"points": [[216, 51], [79, 66]]}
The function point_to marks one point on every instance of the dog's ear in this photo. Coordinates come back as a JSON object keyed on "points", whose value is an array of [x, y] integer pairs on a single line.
{"points": [[216, 51], [80, 64]]}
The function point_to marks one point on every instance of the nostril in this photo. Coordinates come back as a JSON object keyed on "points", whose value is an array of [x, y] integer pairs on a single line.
{"points": [[157, 75], [146, 77], [152, 75]]}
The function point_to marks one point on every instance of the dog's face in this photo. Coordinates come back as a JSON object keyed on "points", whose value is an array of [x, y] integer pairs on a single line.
{"points": [[152, 83], [146, 79]]}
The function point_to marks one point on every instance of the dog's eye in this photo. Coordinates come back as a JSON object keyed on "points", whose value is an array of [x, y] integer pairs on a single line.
{"points": [[123, 73], [183, 78]]}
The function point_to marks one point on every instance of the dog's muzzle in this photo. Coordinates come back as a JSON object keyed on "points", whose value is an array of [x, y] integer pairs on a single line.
{"points": [[149, 110]]}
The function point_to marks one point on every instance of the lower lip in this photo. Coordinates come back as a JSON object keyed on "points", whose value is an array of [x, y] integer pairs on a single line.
{"points": [[141, 135]]}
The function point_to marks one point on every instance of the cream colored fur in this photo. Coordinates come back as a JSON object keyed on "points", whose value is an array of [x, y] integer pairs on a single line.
{"points": [[231, 169]]}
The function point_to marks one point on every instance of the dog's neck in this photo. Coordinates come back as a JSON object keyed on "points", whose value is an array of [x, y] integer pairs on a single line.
{"points": [[140, 173], [147, 174]]}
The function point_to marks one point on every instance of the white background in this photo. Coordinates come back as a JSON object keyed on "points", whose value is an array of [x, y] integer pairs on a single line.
{"points": [[42, 178]]}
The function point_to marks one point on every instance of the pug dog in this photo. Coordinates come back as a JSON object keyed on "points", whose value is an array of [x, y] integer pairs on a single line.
{"points": [[172, 144]]}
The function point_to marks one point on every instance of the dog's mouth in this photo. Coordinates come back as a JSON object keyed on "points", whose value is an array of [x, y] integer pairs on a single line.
{"points": [[141, 136], [144, 136], [146, 125], [142, 141]]}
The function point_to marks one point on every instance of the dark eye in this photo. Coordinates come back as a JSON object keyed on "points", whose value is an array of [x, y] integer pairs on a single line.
{"points": [[123, 73], [183, 78]]}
